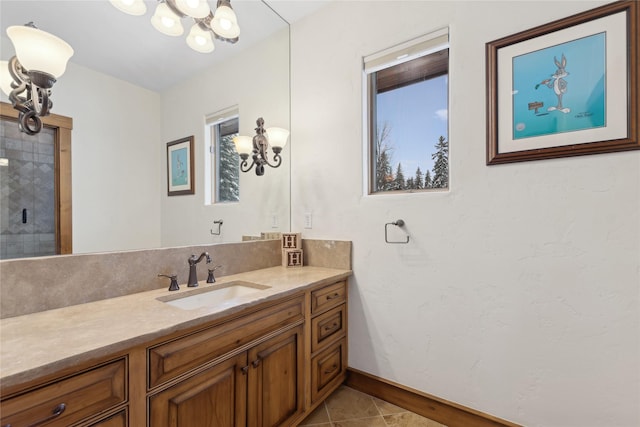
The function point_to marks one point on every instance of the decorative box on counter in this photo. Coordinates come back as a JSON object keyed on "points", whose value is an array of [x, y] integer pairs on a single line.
{"points": [[292, 255]]}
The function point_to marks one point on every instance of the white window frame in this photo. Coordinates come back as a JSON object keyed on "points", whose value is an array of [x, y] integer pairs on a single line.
{"points": [[210, 170]]}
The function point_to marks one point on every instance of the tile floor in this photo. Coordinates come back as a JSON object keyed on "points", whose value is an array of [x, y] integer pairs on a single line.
{"points": [[347, 407]]}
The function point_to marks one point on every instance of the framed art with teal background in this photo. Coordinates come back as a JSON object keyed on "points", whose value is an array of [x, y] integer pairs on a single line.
{"points": [[566, 88], [180, 173]]}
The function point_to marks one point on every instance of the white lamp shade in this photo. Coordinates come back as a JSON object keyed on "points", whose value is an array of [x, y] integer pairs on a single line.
{"points": [[225, 23], [167, 22], [194, 8], [200, 40], [132, 7], [38, 50], [244, 144], [5, 78], [277, 137]]}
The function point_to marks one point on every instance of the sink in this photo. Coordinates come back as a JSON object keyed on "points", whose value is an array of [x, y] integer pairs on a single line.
{"points": [[222, 295]]}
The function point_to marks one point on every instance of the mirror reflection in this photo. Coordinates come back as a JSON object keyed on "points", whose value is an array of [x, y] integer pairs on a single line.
{"points": [[130, 91]]}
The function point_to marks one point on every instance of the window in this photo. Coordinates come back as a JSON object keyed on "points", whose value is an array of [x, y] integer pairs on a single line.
{"points": [[407, 101], [224, 170]]}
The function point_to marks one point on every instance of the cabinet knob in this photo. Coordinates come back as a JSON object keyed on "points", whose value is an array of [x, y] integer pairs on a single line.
{"points": [[255, 363], [330, 370], [56, 412], [244, 370]]}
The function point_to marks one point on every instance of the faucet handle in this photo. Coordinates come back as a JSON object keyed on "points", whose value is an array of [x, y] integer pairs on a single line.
{"points": [[210, 277], [174, 281]]}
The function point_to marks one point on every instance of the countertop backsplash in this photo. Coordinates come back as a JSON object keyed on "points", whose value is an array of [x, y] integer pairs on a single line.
{"points": [[31, 285]]}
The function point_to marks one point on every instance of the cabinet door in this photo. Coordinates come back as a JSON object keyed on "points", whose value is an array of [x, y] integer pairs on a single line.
{"points": [[215, 397], [276, 388]]}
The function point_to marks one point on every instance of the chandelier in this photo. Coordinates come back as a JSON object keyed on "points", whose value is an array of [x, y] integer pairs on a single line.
{"points": [[27, 78], [221, 24], [258, 145]]}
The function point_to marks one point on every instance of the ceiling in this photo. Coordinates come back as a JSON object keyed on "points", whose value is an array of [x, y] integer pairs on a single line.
{"points": [[129, 48]]}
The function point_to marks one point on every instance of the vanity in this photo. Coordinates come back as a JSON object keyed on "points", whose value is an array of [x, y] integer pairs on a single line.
{"points": [[263, 357]]}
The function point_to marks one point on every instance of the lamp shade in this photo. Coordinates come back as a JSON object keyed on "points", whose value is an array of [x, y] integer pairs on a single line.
{"points": [[38, 50], [225, 22], [167, 22], [194, 8], [5, 78], [200, 40], [132, 7], [244, 144], [277, 137]]}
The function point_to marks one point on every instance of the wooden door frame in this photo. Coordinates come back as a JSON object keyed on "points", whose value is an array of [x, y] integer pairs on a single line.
{"points": [[62, 127]]}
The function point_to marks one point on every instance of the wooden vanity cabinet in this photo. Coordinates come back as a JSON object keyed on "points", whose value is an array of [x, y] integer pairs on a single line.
{"points": [[328, 340], [78, 399], [250, 372]]}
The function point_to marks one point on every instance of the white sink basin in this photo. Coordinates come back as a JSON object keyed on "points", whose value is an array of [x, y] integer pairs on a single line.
{"points": [[222, 295]]}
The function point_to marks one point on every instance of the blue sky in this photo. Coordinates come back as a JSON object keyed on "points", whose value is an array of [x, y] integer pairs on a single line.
{"points": [[417, 115]]}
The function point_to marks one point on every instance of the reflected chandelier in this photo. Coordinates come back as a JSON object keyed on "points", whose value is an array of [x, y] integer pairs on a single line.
{"points": [[27, 78], [221, 24]]}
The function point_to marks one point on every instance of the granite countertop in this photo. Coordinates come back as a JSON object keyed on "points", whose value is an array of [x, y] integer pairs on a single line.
{"points": [[42, 343]]}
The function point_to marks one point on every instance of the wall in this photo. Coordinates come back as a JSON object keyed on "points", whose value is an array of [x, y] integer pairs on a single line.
{"points": [[257, 81], [518, 293]]}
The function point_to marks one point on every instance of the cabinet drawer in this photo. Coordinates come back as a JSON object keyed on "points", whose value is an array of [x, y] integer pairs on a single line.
{"points": [[117, 420], [69, 400], [328, 369], [167, 361], [328, 297], [327, 327]]}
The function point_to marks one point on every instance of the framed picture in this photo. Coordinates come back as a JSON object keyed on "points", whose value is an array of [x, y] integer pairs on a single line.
{"points": [[566, 88], [180, 167]]}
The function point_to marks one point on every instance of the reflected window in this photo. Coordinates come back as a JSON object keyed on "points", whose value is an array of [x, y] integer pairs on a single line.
{"points": [[224, 167]]}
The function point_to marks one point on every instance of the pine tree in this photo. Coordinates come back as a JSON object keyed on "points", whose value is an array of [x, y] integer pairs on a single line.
{"points": [[398, 182], [229, 173], [411, 184], [441, 165], [427, 179], [384, 174], [418, 179]]}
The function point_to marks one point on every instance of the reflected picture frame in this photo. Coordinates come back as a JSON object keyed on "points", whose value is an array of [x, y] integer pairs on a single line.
{"points": [[180, 170], [566, 88]]}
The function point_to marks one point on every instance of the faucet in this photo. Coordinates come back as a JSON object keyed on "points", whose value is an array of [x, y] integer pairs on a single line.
{"points": [[193, 275]]}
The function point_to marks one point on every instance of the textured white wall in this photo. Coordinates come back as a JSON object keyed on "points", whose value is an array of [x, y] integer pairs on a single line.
{"points": [[115, 178], [258, 82], [519, 292]]}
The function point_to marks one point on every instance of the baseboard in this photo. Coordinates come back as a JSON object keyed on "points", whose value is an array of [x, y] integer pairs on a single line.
{"points": [[448, 413]]}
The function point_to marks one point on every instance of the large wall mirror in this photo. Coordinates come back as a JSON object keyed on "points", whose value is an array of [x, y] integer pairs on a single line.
{"points": [[130, 91]]}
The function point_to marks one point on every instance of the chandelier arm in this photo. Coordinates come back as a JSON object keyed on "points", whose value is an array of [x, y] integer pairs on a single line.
{"points": [[277, 160], [245, 166]]}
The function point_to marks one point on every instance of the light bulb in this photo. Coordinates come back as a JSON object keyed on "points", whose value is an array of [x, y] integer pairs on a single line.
{"points": [[132, 7], [167, 22], [194, 8], [200, 40]]}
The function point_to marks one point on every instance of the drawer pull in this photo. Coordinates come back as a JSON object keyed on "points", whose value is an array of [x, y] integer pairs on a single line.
{"points": [[331, 327], [330, 370], [334, 296], [57, 411]]}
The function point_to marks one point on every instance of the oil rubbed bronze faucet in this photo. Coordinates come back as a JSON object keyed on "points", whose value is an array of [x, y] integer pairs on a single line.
{"points": [[193, 275]]}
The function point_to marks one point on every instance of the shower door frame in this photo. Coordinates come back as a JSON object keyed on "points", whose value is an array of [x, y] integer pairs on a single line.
{"points": [[62, 127]]}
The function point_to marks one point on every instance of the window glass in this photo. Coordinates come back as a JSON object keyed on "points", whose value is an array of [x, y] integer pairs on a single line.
{"points": [[225, 161], [408, 120]]}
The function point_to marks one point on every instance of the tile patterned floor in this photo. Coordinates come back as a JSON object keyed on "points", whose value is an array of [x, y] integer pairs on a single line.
{"points": [[347, 407]]}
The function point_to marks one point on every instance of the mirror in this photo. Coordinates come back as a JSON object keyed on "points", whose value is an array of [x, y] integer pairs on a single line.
{"points": [[131, 90]]}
